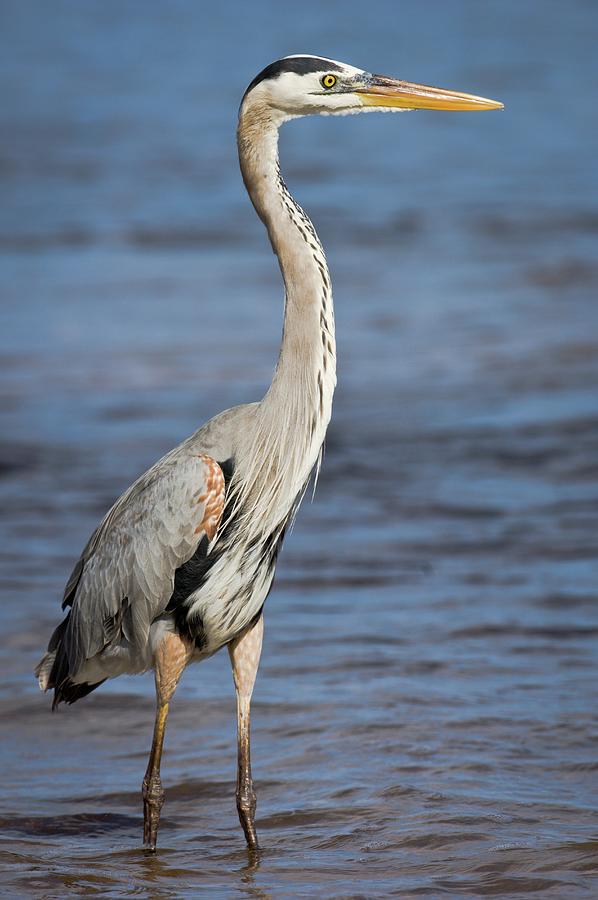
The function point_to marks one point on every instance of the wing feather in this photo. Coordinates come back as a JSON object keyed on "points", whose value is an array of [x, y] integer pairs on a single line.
{"points": [[125, 576]]}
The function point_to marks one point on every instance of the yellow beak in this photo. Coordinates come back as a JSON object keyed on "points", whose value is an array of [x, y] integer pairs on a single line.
{"points": [[394, 94]]}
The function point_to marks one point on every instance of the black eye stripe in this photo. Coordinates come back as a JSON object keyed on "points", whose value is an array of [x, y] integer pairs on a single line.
{"points": [[301, 65]]}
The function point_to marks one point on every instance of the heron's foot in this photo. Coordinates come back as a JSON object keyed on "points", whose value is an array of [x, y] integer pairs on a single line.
{"points": [[153, 800], [246, 805]]}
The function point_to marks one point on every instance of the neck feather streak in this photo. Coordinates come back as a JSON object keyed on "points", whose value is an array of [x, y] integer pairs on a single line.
{"points": [[293, 416]]}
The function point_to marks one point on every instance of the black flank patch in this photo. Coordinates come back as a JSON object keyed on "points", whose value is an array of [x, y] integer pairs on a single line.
{"points": [[187, 578], [228, 467], [191, 575]]}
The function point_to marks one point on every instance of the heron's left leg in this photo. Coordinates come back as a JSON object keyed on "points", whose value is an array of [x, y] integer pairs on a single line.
{"points": [[244, 654], [171, 658]]}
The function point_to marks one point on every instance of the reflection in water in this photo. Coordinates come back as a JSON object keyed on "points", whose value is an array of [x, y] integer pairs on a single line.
{"points": [[424, 714], [254, 858], [247, 879]]}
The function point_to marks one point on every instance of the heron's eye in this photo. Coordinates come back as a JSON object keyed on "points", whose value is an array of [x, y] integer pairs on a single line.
{"points": [[328, 81]]}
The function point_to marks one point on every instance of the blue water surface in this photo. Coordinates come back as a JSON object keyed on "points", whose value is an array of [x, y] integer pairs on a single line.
{"points": [[424, 718]]}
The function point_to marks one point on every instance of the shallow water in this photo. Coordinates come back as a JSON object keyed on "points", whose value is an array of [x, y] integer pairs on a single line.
{"points": [[425, 713]]}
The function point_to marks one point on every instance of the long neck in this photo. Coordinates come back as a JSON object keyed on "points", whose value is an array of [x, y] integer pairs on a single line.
{"points": [[298, 404]]}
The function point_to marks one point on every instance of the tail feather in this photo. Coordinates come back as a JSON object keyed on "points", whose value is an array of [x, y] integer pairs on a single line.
{"points": [[52, 671], [43, 670], [68, 692]]}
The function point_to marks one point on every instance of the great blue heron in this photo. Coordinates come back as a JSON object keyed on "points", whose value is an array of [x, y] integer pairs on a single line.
{"points": [[183, 562]]}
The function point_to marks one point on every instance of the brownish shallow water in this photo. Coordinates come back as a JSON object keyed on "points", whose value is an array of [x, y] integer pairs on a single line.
{"points": [[425, 713]]}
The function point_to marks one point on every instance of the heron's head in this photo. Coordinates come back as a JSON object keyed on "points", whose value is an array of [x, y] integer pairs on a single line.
{"points": [[313, 85]]}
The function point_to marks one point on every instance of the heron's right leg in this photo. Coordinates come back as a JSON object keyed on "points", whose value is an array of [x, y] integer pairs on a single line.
{"points": [[245, 654], [171, 658]]}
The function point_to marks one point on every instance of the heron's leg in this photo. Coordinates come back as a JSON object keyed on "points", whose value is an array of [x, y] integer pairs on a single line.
{"points": [[171, 658], [244, 654]]}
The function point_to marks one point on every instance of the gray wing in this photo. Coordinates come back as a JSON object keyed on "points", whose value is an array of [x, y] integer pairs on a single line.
{"points": [[125, 576]]}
